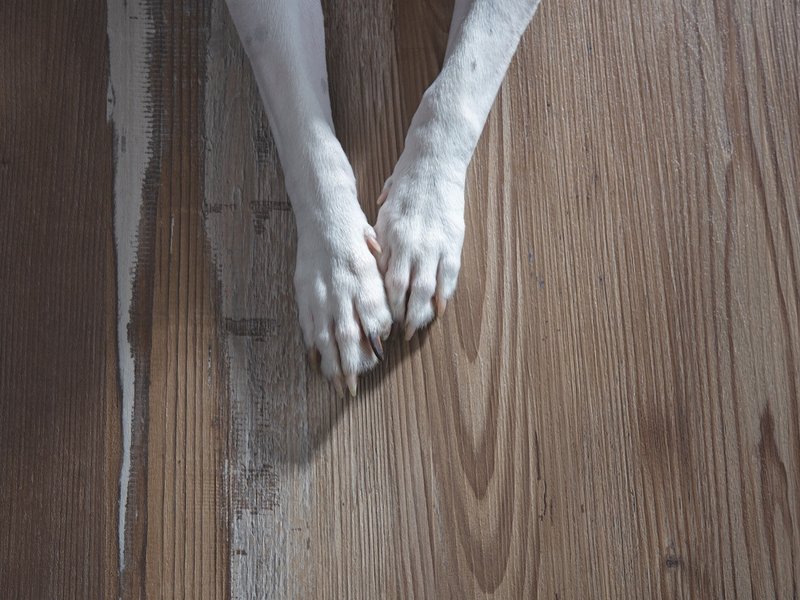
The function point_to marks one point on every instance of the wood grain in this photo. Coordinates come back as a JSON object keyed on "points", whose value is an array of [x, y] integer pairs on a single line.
{"points": [[175, 522], [59, 430], [609, 408]]}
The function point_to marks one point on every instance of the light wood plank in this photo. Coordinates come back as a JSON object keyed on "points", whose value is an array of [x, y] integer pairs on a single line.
{"points": [[609, 408]]}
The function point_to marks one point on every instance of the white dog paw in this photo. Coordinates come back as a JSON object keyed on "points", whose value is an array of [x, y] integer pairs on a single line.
{"points": [[421, 230], [340, 294]]}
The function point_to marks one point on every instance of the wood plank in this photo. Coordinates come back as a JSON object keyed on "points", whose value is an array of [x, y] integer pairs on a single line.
{"points": [[174, 520], [59, 431], [251, 233], [609, 408]]}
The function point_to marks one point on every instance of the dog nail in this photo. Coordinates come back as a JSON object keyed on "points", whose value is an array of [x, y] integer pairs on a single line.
{"points": [[441, 304], [377, 347], [352, 384], [374, 246], [313, 359], [337, 384]]}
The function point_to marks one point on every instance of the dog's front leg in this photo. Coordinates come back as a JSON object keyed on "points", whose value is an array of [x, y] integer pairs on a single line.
{"points": [[421, 222], [340, 294]]}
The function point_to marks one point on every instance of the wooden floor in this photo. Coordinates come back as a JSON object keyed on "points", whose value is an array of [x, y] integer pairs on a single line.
{"points": [[609, 408]]}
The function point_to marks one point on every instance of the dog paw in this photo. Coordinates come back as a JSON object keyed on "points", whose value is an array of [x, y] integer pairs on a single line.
{"points": [[340, 294], [421, 230]]}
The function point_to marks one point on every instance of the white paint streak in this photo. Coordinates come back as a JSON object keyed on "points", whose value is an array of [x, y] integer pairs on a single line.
{"points": [[129, 28]]}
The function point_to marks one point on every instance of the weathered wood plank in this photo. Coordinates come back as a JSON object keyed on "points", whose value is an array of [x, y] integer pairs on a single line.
{"points": [[174, 520]]}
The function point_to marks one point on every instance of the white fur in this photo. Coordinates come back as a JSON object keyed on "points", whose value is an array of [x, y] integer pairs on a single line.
{"points": [[339, 288]]}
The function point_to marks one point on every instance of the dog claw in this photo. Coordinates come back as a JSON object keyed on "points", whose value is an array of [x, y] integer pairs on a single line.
{"points": [[374, 246], [337, 384], [313, 359], [377, 347], [441, 304], [352, 384]]}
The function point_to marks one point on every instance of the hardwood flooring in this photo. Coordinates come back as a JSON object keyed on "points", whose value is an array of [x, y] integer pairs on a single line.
{"points": [[608, 409]]}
